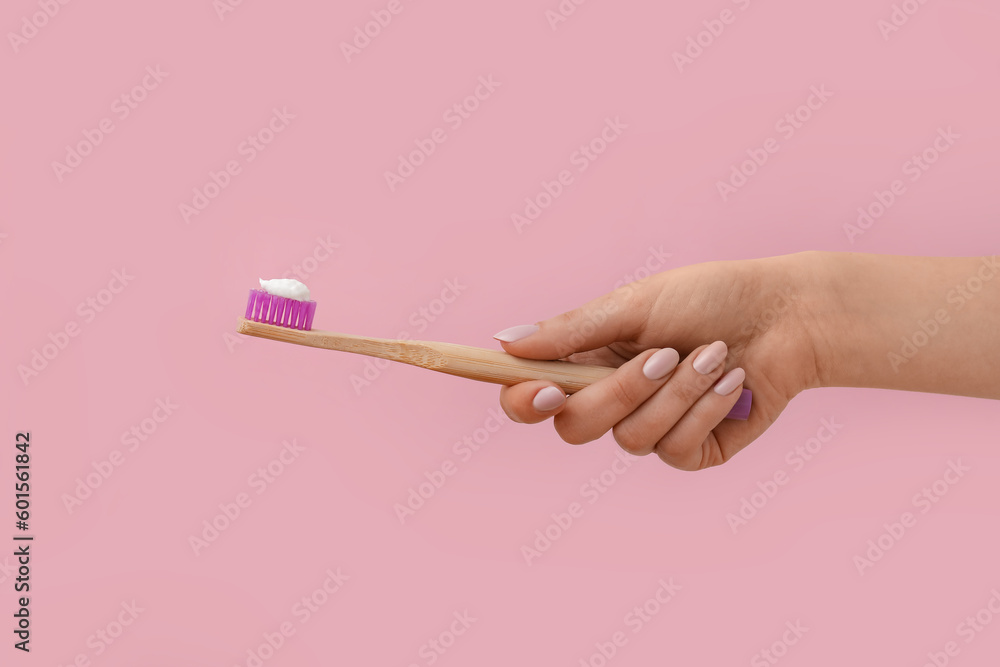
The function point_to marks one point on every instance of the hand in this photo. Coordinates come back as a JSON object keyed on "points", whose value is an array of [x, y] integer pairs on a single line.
{"points": [[666, 324]]}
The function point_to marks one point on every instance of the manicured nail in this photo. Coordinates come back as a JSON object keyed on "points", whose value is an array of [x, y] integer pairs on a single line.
{"points": [[730, 381], [549, 398], [662, 362], [516, 333], [711, 357]]}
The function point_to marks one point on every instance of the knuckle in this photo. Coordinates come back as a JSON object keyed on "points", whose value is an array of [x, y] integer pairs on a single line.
{"points": [[572, 339], [624, 393], [673, 451], [712, 460], [571, 431], [626, 437], [712, 454], [566, 320], [634, 295], [691, 386]]}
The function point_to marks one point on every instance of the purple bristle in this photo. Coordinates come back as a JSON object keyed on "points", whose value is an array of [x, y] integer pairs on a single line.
{"points": [[279, 311], [276, 307], [310, 311], [262, 301], [267, 312]]}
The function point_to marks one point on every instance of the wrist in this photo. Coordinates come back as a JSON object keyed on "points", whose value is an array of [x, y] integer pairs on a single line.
{"points": [[899, 322], [843, 315]]}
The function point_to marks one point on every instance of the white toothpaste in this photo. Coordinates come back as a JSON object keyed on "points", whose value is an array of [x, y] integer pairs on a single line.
{"points": [[286, 287]]}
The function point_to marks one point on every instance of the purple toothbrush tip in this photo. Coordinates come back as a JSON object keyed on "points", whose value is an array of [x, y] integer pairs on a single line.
{"points": [[742, 408], [279, 311]]}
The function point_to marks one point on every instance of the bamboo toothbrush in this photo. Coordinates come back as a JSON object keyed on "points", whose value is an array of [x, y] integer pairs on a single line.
{"points": [[290, 321]]}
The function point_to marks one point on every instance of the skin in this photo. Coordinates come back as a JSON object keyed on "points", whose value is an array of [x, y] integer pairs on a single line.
{"points": [[792, 323]]}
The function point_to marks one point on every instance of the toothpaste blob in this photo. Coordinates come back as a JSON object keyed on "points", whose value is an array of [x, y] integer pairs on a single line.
{"points": [[285, 287]]}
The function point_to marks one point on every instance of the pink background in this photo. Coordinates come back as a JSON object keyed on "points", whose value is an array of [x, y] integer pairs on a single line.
{"points": [[168, 333]]}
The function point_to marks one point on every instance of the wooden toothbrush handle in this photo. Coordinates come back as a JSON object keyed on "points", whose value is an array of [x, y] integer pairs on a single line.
{"points": [[475, 363], [498, 367]]}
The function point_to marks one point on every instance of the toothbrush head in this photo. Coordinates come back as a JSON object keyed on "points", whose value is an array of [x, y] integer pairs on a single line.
{"points": [[280, 311]]}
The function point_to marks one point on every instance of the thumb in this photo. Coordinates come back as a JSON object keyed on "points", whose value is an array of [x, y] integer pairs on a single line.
{"points": [[617, 316]]}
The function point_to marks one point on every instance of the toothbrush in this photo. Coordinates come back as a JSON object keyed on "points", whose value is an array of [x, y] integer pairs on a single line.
{"points": [[290, 321]]}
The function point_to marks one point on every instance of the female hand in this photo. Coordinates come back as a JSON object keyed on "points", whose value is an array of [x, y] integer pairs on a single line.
{"points": [[812, 319], [681, 342]]}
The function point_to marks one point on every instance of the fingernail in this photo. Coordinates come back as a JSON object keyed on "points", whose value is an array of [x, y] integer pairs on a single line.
{"points": [[662, 362], [730, 381], [711, 357], [516, 333], [549, 398]]}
